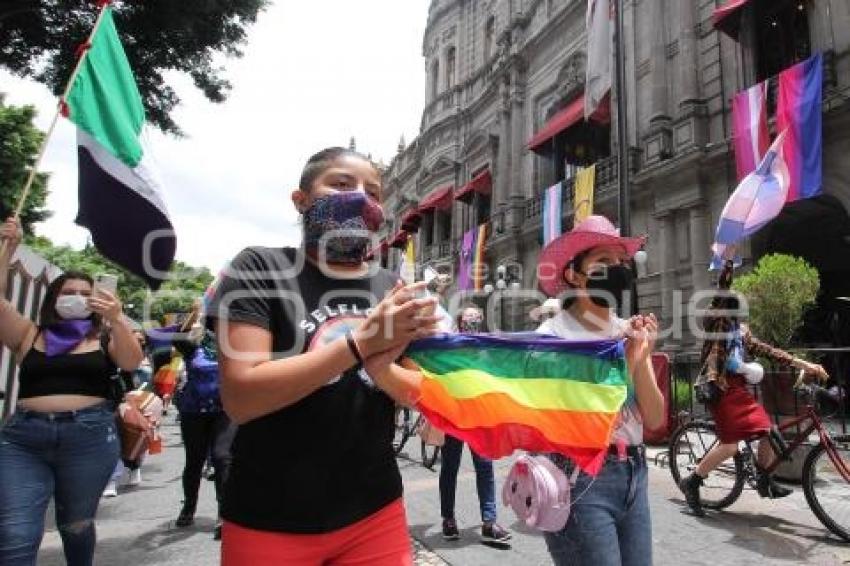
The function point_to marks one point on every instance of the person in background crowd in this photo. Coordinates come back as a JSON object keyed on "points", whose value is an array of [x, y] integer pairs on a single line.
{"points": [[312, 382], [205, 427], [131, 380], [470, 320], [549, 309], [61, 442], [609, 523]]}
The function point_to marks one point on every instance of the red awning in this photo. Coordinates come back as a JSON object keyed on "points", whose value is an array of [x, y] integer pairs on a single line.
{"points": [[441, 199], [727, 18], [481, 184], [569, 116], [399, 240], [410, 220]]}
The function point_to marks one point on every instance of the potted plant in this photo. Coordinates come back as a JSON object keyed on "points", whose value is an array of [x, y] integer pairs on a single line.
{"points": [[779, 291]]}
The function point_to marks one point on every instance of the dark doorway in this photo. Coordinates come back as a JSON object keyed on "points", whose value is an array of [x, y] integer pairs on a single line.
{"points": [[817, 230]]}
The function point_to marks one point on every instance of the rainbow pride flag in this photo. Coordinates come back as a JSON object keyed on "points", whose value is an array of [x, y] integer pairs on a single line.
{"points": [[524, 391]]}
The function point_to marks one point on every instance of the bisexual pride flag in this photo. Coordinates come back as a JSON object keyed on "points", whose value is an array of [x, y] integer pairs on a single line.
{"points": [[799, 113], [524, 391]]}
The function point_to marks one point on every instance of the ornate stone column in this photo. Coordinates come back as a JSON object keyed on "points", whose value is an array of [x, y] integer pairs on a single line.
{"points": [[658, 115], [658, 140], [518, 139], [700, 247], [690, 127], [688, 85], [503, 173], [668, 257]]}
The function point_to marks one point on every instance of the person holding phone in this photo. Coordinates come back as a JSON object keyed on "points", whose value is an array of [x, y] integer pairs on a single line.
{"points": [[61, 442]]}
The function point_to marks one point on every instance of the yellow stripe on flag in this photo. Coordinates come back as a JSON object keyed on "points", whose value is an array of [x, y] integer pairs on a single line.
{"points": [[585, 181]]}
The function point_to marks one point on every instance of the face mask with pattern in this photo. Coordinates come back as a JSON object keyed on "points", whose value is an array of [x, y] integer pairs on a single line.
{"points": [[342, 224]]}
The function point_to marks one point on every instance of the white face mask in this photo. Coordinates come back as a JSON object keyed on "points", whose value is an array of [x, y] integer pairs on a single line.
{"points": [[72, 307]]}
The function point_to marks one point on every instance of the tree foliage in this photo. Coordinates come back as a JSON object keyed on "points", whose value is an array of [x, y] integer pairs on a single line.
{"points": [[39, 38], [779, 291], [19, 144], [176, 295]]}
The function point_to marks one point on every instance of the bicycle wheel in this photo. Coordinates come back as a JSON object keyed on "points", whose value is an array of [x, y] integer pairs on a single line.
{"points": [[430, 455], [826, 484], [688, 446], [403, 429]]}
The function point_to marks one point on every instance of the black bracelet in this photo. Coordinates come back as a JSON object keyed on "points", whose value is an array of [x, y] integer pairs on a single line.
{"points": [[352, 345]]}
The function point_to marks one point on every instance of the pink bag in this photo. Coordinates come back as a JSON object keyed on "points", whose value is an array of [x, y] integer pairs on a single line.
{"points": [[539, 493]]}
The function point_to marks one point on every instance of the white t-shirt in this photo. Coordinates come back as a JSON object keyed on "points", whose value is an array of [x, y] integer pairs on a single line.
{"points": [[630, 425]]}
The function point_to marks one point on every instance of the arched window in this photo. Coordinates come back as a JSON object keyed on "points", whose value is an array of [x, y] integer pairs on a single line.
{"points": [[489, 31], [451, 64]]}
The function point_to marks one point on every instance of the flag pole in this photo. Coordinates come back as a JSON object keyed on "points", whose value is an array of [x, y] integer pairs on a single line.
{"points": [[82, 52], [622, 137]]}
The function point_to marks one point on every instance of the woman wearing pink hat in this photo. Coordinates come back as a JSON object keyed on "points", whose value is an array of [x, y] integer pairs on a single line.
{"points": [[588, 269]]}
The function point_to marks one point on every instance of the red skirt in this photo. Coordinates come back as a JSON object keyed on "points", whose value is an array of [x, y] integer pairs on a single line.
{"points": [[738, 415]]}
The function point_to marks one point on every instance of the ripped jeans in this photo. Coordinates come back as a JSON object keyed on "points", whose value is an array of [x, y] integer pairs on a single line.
{"points": [[68, 456]]}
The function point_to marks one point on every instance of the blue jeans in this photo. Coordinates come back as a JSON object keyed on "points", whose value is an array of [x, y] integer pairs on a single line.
{"points": [[485, 481], [609, 523], [69, 456]]}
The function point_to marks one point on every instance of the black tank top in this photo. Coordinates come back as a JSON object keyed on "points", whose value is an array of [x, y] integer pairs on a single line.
{"points": [[88, 373]]}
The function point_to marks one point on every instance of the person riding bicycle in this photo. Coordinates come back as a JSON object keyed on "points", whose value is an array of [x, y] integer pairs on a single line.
{"points": [[724, 378]]}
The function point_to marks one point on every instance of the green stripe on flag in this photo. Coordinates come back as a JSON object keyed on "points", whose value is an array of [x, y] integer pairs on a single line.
{"points": [[545, 394], [521, 364], [104, 100]]}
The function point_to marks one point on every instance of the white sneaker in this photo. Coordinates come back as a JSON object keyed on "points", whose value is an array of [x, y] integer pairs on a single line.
{"points": [[111, 489], [134, 477]]}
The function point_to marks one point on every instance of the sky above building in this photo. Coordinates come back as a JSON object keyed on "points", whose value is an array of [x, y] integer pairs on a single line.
{"points": [[314, 74]]}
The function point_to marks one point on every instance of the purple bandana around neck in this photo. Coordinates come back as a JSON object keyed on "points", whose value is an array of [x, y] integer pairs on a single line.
{"points": [[64, 336]]}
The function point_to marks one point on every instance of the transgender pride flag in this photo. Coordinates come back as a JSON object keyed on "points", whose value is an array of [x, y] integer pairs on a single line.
{"points": [[749, 128], [552, 213], [758, 199], [799, 113]]}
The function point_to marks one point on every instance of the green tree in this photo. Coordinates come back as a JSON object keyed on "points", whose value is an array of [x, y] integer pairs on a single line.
{"points": [[19, 144], [779, 291], [40, 38], [176, 294]]}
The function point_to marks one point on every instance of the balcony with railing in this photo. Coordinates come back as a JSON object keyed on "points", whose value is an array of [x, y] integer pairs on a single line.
{"points": [[606, 187], [832, 93]]}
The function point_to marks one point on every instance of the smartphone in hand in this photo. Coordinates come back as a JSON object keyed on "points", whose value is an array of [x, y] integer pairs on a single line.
{"points": [[107, 282]]}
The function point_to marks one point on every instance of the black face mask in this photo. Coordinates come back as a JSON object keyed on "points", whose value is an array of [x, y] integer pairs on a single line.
{"points": [[611, 283]]}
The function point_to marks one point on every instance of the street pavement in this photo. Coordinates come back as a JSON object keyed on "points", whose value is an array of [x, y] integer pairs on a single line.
{"points": [[137, 526]]}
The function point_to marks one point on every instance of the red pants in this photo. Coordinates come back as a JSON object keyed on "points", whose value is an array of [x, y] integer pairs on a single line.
{"points": [[381, 539]]}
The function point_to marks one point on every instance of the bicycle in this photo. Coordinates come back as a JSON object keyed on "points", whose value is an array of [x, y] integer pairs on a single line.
{"points": [[826, 469], [405, 427]]}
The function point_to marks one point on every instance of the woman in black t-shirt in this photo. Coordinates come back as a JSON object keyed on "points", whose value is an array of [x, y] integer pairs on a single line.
{"points": [[307, 340]]}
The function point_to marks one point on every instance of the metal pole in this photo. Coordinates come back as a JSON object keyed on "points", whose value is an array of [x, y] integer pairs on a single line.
{"points": [[622, 137]]}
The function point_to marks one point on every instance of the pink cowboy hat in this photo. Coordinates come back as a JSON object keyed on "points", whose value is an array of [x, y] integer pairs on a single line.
{"points": [[592, 232]]}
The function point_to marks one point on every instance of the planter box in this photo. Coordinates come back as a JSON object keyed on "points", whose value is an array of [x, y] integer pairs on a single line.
{"points": [[777, 393], [792, 470]]}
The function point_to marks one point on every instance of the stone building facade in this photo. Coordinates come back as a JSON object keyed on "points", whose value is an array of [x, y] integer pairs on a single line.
{"points": [[500, 71]]}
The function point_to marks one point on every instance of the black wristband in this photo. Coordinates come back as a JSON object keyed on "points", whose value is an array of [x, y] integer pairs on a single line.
{"points": [[352, 345]]}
